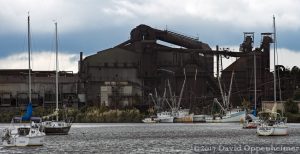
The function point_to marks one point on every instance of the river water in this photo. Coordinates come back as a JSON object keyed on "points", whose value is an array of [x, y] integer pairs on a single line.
{"points": [[163, 138]]}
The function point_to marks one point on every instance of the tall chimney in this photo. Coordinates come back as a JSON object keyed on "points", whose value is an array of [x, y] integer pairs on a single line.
{"points": [[80, 56], [80, 62]]}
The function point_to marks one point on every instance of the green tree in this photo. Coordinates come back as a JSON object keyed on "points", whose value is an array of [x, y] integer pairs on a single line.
{"points": [[297, 94], [291, 106]]}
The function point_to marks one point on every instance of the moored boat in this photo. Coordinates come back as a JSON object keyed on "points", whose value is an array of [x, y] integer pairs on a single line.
{"points": [[272, 124], [251, 122], [165, 117], [234, 115], [26, 135], [183, 116], [56, 127], [198, 118], [150, 120]]}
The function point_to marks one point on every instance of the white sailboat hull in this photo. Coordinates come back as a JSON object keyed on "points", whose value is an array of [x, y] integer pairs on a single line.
{"points": [[16, 137], [272, 130], [24, 141]]}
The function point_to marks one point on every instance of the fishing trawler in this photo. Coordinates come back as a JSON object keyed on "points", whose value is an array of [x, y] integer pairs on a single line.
{"points": [[175, 114], [165, 117], [230, 116], [183, 116], [227, 114]]}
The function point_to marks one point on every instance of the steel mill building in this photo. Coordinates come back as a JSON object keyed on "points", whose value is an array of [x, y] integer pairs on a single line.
{"points": [[128, 73]]}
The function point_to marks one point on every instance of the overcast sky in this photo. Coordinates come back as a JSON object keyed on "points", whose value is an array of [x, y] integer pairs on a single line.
{"points": [[93, 25]]}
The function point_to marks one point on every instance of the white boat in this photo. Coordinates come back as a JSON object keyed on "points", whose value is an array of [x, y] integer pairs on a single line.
{"points": [[272, 125], [165, 117], [20, 134], [150, 120], [279, 129], [26, 135], [227, 114], [198, 118], [56, 127], [234, 115]]}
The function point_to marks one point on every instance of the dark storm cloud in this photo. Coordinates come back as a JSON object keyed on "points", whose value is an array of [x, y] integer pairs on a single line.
{"points": [[93, 25]]}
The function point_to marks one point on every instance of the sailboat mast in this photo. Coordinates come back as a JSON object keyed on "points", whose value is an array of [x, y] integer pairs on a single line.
{"points": [[29, 51], [274, 32], [56, 71], [254, 61]]}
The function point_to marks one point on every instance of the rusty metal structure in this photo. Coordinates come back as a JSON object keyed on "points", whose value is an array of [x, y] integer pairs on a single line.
{"points": [[126, 74], [146, 62], [148, 59], [243, 85], [152, 56]]}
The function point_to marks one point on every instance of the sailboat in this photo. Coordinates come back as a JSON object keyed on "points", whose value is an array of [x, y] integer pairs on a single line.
{"points": [[251, 121], [56, 127], [272, 123], [24, 134]]}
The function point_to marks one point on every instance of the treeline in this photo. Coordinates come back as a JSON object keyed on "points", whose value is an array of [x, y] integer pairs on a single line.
{"points": [[92, 114], [292, 111]]}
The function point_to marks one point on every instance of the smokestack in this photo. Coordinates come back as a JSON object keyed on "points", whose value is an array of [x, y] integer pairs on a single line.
{"points": [[80, 62], [80, 56]]}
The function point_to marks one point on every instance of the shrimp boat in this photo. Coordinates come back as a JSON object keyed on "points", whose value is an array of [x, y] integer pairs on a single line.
{"points": [[56, 127], [180, 115], [231, 116], [165, 117], [227, 114], [272, 123], [183, 116], [24, 134]]}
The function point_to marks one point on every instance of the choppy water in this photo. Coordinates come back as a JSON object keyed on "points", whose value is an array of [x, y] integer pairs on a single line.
{"points": [[155, 138]]}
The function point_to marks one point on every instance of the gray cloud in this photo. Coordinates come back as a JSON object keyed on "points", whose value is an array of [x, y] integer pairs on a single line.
{"points": [[93, 25]]}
